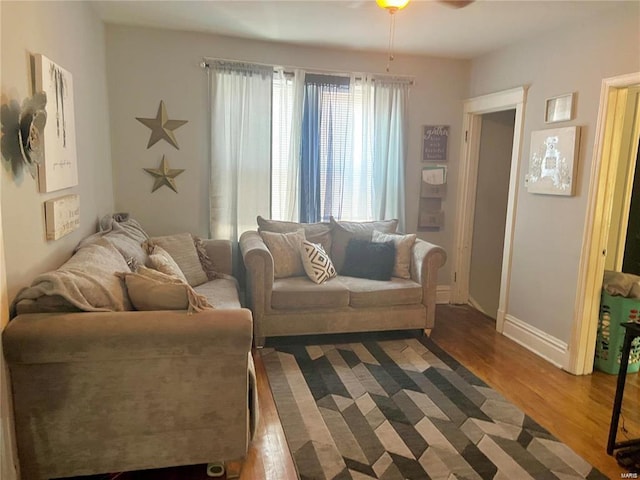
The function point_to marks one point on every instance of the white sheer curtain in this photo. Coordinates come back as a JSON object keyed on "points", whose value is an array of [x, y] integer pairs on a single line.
{"points": [[288, 97], [240, 147], [339, 147], [390, 149], [360, 169]]}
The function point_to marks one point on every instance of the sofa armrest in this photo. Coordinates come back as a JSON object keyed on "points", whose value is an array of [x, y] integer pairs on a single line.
{"points": [[221, 254], [90, 387], [106, 336], [259, 281], [426, 259]]}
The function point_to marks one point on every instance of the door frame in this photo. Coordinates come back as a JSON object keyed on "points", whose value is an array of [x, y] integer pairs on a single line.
{"points": [[598, 219], [474, 108]]}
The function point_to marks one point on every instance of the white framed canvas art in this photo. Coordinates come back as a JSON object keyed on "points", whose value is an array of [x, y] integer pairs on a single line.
{"points": [[553, 161], [59, 168]]}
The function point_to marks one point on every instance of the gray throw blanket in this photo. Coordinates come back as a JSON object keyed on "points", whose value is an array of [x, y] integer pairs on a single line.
{"points": [[87, 280]]}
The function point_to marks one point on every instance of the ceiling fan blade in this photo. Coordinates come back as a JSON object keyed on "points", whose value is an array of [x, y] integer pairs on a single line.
{"points": [[456, 3]]}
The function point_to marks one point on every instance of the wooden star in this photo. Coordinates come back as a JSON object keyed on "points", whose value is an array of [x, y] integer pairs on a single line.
{"points": [[161, 127], [164, 176]]}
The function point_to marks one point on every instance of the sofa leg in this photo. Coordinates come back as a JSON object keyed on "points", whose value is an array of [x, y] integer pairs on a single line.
{"points": [[233, 468], [215, 469], [427, 332]]}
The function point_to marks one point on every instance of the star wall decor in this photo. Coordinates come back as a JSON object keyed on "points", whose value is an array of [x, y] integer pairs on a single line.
{"points": [[164, 176], [161, 127]]}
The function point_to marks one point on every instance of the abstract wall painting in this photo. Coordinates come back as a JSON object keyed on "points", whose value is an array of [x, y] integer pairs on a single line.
{"points": [[59, 168], [553, 161]]}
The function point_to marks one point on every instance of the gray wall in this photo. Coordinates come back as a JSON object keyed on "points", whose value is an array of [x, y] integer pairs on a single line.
{"points": [[72, 36], [549, 229], [494, 166], [147, 65]]}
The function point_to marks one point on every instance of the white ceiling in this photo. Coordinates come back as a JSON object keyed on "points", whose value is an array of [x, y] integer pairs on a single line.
{"points": [[423, 27]]}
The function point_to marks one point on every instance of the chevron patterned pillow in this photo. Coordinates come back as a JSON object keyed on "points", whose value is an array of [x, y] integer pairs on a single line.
{"points": [[316, 262]]}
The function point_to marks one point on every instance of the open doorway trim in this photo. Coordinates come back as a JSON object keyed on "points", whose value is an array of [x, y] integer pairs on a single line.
{"points": [[594, 243], [474, 108]]}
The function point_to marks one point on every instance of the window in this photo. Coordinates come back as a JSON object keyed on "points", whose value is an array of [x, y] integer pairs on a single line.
{"points": [[282, 114], [331, 134]]}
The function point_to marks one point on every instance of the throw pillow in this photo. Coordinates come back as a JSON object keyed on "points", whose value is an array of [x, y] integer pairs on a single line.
{"points": [[182, 249], [160, 260], [367, 259], [152, 290], [314, 232], [285, 250], [342, 232], [205, 260], [316, 262], [404, 244]]}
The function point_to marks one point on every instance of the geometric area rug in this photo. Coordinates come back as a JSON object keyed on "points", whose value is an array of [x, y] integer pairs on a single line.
{"points": [[394, 407]]}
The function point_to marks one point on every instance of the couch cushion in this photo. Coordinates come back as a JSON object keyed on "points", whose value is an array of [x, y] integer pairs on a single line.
{"points": [[150, 289], [205, 260], [375, 293], [404, 244], [314, 232], [182, 249], [316, 262], [221, 292], [285, 250], [296, 293], [342, 232], [160, 260], [366, 259]]}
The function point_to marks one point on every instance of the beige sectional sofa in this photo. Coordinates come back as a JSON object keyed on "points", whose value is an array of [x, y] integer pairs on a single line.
{"points": [[295, 305], [109, 391]]}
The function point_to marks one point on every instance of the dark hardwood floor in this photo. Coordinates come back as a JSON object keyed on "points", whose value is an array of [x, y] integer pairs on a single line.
{"points": [[576, 409]]}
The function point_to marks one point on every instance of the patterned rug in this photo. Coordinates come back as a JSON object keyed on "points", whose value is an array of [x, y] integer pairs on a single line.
{"points": [[401, 408]]}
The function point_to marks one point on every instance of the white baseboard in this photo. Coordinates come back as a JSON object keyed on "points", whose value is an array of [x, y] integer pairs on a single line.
{"points": [[443, 294], [537, 341]]}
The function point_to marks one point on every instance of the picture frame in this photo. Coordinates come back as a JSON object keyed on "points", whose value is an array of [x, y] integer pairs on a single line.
{"points": [[435, 142], [559, 108], [62, 216], [553, 161], [59, 168]]}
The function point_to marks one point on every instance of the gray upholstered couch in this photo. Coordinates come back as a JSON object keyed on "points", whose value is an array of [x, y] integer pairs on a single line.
{"points": [[111, 391], [296, 305]]}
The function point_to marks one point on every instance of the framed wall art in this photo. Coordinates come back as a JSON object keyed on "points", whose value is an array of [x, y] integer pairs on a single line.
{"points": [[59, 168], [559, 109], [435, 139], [553, 161], [62, 216]]}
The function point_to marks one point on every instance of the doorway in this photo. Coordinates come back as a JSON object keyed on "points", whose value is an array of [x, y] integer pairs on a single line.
{"points": [[631, 256], [492, 194], [623, 244], [602, 189], [509, 100]]}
